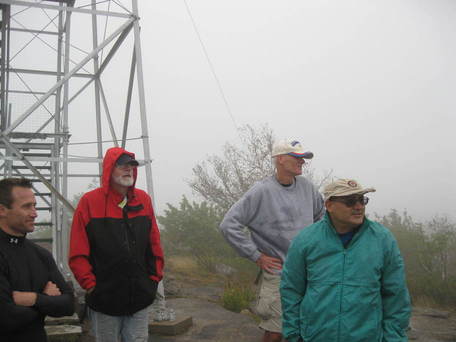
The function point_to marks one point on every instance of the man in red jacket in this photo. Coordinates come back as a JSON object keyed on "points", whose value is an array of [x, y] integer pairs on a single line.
{"points": [[115, 251]]}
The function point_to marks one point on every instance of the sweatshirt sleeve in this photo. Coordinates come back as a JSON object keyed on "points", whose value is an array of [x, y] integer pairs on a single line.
{"points": [[233, 226], [80, 247], [395, 296], [12, 316], [292, 290], [319, 205], [56, 306]]}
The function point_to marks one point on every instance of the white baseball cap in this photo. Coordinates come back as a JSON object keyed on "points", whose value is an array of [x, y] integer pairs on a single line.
{"points": [[292, 148]]}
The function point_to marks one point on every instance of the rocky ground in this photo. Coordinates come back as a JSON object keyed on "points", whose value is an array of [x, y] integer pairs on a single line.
{"points": [[431, 325], [211, 322]]}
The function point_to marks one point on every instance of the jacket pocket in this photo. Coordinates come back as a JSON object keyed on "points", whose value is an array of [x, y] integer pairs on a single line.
{"points": [[268, 294], [144, 290], [307, 307], [363, 313]]}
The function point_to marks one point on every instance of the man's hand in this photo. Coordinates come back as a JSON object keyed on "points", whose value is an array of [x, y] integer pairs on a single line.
{"points": [[269, 264], [51, 289], [24, 298], [89, 291]]}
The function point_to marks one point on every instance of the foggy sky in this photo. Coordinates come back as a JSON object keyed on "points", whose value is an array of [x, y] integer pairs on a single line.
{"points": [[368, 86]]}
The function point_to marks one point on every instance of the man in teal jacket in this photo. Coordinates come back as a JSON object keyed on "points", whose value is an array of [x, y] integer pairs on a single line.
{"points": [[343, 279]]}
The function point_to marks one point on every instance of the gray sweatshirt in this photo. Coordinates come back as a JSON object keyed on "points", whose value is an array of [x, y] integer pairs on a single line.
{"points": [[274, 215]]}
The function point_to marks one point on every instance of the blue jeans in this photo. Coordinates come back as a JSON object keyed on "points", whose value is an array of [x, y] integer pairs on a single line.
{"points": [[132, 328]]}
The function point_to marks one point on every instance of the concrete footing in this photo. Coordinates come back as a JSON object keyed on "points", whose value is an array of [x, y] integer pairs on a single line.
{"points": [[63, 329], [63, 333], [171, 328], [69, 320]]}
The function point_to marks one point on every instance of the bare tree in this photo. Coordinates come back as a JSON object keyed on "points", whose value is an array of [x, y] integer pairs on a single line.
{"points": [[222, 180]]}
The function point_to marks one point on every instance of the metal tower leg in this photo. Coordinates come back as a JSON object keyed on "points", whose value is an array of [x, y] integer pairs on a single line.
{"points": [[159, 310]]}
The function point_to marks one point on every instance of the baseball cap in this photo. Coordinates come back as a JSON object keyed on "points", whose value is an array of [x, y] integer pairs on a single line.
{"points": [[125, 159], [344, 187], [292, 148]]}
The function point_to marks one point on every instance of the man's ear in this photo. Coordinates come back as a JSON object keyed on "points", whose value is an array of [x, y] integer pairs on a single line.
{"points": [[328, 205], [279, 159], [3, 210]]}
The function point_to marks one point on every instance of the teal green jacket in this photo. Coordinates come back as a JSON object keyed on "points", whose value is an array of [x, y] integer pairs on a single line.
{"points": [[354, 294]]}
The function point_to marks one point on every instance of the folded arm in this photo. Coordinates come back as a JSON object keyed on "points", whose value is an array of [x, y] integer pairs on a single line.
{"points": [[57, 299], [13, 316]]}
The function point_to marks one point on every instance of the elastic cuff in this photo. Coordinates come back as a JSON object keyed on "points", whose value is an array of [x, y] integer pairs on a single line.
{"points": [[255, 256], [39, 300], [88, 285]]}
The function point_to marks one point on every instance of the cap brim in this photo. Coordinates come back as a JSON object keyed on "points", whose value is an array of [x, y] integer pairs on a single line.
{"points": [[306, 155], [366, 190], [132, 162], [350, 192]]}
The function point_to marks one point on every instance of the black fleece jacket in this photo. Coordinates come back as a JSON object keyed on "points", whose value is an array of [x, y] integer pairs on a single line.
{"points": [[25, 266]]}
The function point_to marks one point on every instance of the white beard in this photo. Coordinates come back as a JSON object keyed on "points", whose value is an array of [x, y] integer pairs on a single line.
{"points": [[123, 181]]}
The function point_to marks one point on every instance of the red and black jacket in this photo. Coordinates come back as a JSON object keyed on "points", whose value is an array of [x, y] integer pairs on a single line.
{"points": [[116, 250]]}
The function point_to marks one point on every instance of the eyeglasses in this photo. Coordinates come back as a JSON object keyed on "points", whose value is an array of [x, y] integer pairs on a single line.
{"points": [[350, 201]]}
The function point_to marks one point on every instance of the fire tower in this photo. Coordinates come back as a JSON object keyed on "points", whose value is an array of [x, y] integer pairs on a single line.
{"points": [[66, 95]]}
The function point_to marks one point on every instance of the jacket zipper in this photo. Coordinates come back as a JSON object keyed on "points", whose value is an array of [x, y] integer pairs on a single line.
{"points": [[344, 251], [127, 228], [127, 239], [341, 293]]}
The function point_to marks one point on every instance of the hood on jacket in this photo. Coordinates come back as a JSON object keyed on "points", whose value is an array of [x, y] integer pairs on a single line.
{"points": [[109, 162]]}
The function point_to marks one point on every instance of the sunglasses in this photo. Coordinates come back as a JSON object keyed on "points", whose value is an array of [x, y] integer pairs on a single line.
{"points": [[350, 201]]}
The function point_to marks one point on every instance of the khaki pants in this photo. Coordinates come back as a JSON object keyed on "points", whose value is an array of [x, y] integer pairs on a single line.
{"points": [[268, 305]]}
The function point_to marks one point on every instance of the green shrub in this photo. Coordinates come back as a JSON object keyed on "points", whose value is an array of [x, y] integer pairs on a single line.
{"points": [[192, 229], [237, 296], [429, 256]]}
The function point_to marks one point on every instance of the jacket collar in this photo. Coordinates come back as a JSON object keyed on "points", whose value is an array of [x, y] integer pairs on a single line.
{"points": [[362, 227], [11, 239]]}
